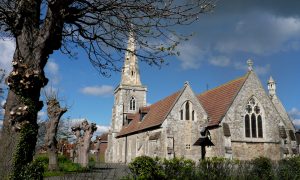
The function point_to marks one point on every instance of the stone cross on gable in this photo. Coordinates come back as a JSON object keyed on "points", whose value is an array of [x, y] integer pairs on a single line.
{"points": [[250, 64]]}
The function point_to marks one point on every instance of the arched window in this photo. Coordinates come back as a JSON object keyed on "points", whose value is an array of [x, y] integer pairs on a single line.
{"points": [[132, 104], [181, 114], [253, 119], [247, 126], [187, 111], [259, 126], [193, 115], [253, 125]]}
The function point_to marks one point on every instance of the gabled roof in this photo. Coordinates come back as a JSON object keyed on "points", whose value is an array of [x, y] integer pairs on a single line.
{"points": [[156, 115], [217, 101]]}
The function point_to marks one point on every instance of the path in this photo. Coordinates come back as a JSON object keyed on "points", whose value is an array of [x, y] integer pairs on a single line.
{"points": [[103, 171]]}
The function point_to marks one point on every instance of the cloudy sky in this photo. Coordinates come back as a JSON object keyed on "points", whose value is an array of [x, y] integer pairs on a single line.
{"points": [[266, 31]]}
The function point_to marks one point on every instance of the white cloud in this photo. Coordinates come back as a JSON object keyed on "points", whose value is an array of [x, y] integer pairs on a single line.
{"points": [[102, 129], [52, 70], [1, 123], [41, 114], [7, 48], [190, 56], [295, 115], [104, 90], [262, 69], [52, 67], [296, 122], [220, 61], [257, 69], [294, 112], [261, 33]]}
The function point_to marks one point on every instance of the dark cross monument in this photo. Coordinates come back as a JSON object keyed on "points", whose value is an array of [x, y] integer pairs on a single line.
{"points": [[204, 141]]}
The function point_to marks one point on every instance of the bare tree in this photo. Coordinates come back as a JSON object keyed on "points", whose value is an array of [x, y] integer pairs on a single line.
{"points": [[39, 27], [54, 111], [84, 133]]}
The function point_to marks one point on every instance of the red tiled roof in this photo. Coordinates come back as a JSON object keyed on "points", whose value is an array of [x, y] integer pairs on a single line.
{"points": [[103, 137], [217, 101], [155, 117]]}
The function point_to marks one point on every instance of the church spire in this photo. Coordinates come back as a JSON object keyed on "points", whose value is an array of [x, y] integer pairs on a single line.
{"points": [[130, 71], [272, 87]]}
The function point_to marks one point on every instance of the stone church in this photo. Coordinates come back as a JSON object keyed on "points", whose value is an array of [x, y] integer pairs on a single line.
{"points": [[243, 119]]}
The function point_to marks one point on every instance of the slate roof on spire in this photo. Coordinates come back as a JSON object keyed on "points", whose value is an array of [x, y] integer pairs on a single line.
{"points": [[217, 101]]}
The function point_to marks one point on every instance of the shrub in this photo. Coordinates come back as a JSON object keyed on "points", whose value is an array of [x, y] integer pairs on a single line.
{"points": [[179, 168], [215, 168], [34, 170], [63, 159], [92, 162], [262, 168], [145, 167], [289, 168]]}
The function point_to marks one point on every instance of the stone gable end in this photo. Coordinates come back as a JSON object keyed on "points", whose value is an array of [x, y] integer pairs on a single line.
{"points": [[270, 120], [185, 132]]}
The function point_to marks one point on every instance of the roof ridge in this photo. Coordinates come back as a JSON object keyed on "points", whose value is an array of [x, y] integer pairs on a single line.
{"points": [[223, 96], [222, 85]]}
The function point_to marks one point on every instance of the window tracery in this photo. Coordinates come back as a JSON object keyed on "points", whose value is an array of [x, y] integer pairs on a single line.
{"points": [[253, 119]]}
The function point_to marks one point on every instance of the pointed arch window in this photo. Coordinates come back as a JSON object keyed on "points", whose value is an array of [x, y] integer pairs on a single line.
{"points": [[253, 119], [132, 104], [247, 126], [186, 112]]}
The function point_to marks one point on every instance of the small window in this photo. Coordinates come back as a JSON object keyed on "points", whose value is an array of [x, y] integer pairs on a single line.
{"points": [[132, 104], [181, 114], [187, 111], [193, 115], [132, 73], [187, 146]]}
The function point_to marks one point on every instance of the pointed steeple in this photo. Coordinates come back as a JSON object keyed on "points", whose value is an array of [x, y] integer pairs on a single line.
{"points": [[272, 87], [130, 71]]}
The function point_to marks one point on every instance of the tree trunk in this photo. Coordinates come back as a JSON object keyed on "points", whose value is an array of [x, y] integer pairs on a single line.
{"points": [[34, 43], [22, 106], [85, 148], [83, 141], [54, 112]]}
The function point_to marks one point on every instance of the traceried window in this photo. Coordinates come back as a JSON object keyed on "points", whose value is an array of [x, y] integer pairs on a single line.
{"points": [[186, 112], [132, 104], [253, 119]]}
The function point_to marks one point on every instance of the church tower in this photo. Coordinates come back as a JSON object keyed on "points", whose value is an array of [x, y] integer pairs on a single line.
{"points": [[130, 94]]}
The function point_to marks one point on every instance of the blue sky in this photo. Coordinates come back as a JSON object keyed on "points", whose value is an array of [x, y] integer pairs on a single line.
{"points": [[267, 32]]}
